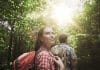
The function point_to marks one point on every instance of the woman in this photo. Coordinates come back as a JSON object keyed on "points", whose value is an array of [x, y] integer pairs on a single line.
{"points": [[44, 59]]}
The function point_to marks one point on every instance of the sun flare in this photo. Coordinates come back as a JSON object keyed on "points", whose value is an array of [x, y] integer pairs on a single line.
{"points": [[59, 11], [62, 14], [63, 11]]}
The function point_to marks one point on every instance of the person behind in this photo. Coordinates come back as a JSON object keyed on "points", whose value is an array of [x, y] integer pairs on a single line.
{"points": [[44, 59], [66, 53]]}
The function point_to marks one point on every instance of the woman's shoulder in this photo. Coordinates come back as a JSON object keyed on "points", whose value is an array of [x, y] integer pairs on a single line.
{"points": [[43, 54]]}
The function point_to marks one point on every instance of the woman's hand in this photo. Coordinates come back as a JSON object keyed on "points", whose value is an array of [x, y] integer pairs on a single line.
{"points": [[59, 62]]}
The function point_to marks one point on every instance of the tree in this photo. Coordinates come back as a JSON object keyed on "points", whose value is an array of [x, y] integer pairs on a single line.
{"points": [[14, 13], [85, 34]]}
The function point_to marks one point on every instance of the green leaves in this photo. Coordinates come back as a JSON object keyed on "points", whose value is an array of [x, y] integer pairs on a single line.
{"points": [[85, 36], [21, 36]]}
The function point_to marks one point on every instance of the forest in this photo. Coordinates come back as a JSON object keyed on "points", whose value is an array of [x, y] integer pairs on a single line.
{"points": [[20, 21]]}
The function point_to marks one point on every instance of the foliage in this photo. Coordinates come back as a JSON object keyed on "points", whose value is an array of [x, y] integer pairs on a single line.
{"points": [[25, 17], [84, 36], [18, 38]]}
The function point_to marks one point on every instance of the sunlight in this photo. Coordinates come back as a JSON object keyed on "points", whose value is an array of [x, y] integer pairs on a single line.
{"points": [[62, 14], [63, 11]]}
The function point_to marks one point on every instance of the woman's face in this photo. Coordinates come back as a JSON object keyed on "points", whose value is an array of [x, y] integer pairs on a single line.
{"points": [[48, 37]]}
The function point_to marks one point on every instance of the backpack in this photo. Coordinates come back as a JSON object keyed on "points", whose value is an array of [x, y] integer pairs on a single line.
{"points": [[64, 53], [24, 61]]}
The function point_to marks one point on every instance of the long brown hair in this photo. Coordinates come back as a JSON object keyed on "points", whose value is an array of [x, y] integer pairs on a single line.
{"points": [[38, 41]]}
